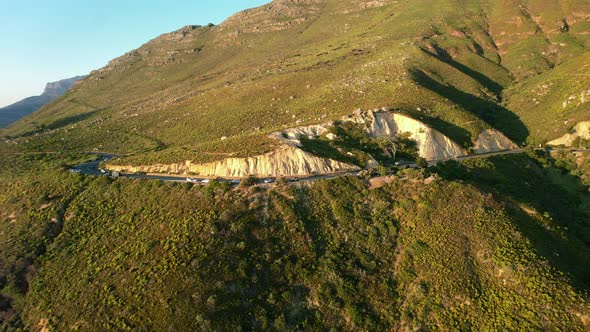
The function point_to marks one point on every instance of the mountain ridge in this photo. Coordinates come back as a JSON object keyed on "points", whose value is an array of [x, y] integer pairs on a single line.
{"points": [[13, 112], [266, 68]]}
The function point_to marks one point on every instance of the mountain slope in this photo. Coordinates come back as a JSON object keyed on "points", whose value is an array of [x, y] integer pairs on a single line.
{"points": [[554, 102], [20, 109], [490, 243], [481, 253], [446, 63], [304, 61]]}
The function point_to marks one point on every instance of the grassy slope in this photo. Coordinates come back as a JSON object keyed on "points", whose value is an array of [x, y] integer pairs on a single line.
{"points": [[540, 100], [448, 255], [179, 94]]}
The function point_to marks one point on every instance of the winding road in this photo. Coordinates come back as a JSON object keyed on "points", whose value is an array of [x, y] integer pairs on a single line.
{"points": [[92, 168]]}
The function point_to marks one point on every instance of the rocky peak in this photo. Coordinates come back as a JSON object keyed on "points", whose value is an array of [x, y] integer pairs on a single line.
{"points": [[55, 89]]}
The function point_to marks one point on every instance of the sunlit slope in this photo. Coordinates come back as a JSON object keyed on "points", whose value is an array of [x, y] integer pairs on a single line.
{"points": [[554, 102], [92, 253], [294, 62]]}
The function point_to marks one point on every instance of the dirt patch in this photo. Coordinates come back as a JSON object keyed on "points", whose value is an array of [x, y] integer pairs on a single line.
{"points": [[381, 181], [42, 325], [44, 206], [429, 180], [528, 210], [584, 318]]}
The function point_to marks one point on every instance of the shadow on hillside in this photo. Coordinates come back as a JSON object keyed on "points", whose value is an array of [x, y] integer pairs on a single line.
{"points": [[519, 181], [445, 57], [59, 123], [456, 133], [492, 113]]}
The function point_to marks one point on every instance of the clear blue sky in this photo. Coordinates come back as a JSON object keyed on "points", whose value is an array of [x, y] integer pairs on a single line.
{"points": [[43, 41]]}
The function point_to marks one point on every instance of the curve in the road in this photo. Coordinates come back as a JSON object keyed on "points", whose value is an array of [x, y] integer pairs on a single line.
{"points": [[92, 168]]}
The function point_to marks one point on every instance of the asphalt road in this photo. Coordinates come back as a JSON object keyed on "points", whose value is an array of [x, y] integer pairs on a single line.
{"points": [[92, 168]]}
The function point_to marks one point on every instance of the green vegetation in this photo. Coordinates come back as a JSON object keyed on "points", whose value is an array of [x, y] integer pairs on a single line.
{"points": [[552, 103], [501, 243], [576, 164], [484, 254], [349, 142], [451, 64]]}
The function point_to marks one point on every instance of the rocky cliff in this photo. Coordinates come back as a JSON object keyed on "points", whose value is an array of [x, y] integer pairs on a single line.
{"points": [[432, 144], [285, 161], [492, 140], [290, 160]]}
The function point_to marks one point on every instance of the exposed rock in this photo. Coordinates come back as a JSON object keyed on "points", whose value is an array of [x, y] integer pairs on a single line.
{"points": [[492, 140], [432, 144], [276, 16], [290, 160], [292, 136], [359, 5], [581, 130], [285, 161]]}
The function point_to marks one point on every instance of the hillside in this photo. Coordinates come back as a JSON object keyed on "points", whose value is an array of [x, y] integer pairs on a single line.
{"points": [[554, 102], [20, 109], [318, 90], [202, 93], [442, 254]]}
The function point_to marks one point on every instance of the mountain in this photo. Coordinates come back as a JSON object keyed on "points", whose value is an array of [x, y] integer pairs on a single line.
{"points": [[12, 113], [410, 191], [307, 62]]}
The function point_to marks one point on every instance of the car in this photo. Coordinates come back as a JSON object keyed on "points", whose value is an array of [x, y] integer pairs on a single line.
{"points": [[235, 181], [74, 170], [205, 181], [192, 180], [269, 180]]}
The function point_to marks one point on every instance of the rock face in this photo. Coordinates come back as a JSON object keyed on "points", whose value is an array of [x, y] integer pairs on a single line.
{"points": [[290, 160], [432, 144], [20, 109], [581, 130], [492, 140], [285, 161], [292, 136]]}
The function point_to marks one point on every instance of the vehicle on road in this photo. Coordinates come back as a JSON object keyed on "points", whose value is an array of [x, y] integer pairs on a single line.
{"points": [[74, 170], [269, 180], [235, 181], [192, 180], [205, 181]]}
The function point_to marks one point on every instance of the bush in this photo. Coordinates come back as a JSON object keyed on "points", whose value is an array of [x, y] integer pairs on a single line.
{"points": [[249, 181], [421, 162]]}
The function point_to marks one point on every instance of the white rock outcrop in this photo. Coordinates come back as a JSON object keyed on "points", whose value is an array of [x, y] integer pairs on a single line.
{"points": [[285, 161], [582, 130], [491, 140], [292, 136], [432, 144], [290, 160]]}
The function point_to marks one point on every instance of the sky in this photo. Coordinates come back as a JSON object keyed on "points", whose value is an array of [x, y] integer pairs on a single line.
{"points": [[44, 41]]}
